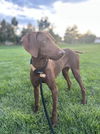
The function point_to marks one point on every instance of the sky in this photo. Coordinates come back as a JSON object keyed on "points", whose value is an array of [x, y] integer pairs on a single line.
{"points": [[61, 13]]}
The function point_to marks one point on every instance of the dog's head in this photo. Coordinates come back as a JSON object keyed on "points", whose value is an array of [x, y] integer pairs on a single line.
{"points": [[41, 44]]}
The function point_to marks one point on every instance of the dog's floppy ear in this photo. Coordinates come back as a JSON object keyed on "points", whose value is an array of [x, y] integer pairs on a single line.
{"points": [[30, 44]]}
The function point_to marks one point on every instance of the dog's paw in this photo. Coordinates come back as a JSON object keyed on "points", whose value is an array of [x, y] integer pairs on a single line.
{"points": [[84, 102], [53, 122], [35, 108]]}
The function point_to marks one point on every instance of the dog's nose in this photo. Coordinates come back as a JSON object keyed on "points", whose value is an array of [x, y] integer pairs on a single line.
{"points": [[62, 52]]}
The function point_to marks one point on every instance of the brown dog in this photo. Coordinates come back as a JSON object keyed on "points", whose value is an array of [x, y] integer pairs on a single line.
{"points": [[46, 59]]}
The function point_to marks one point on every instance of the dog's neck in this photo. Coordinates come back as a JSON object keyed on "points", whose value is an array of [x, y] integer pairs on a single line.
{"points": [[39, 62]]}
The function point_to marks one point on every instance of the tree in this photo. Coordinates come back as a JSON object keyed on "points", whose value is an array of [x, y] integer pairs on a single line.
{"points": [[56, 36], [11, 36], [88, 37], [43, 23], [3, 30], [71, 35], [29, 29], [7, 32], [14, 24], [14, 21]]}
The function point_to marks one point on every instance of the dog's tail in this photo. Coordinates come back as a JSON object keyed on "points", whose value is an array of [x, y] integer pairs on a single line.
{"points": [[79, 52]]}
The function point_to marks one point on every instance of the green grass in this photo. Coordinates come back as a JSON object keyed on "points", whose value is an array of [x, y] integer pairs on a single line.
{"points": [[16, 95]]}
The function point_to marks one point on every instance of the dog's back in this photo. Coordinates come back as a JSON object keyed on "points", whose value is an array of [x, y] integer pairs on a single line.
{"points": [[69, 60]]}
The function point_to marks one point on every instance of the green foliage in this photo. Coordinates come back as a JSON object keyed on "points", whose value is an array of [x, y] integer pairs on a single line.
{"points": [[43, 23], [29, 29], [14, 21], [7, 32], [87, 38], [16, 95], [72, 36], [56, 36]]}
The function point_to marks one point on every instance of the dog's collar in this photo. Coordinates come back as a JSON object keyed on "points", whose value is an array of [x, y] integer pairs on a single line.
{"points": [[40, 70]]}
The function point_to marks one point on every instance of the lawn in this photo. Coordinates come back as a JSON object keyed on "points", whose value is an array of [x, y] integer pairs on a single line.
{"points": [[16, 95]]}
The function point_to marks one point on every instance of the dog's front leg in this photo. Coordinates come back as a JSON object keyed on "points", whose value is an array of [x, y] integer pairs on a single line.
{"points": [[55, 101], [54, 90], [35, 83], [36, 97]]}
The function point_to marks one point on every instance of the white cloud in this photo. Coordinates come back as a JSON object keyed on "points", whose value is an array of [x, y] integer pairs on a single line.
{"points": [[10, 9], [86, 15]]}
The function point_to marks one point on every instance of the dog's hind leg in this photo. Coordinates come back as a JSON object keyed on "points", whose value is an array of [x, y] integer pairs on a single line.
{"points": [[77, 76], [66, 76]]}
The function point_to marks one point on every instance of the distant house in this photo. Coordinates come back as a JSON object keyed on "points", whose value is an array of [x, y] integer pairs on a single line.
{"points": [[97, 40]]}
